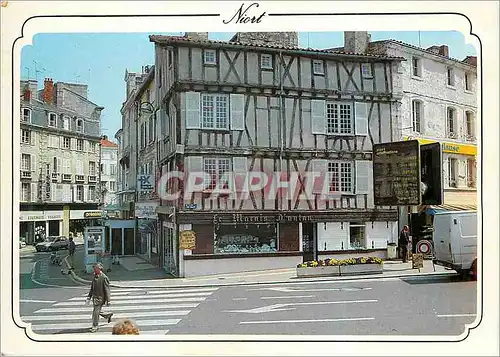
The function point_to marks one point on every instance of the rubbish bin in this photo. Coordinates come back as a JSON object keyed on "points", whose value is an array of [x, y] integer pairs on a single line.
{"points": [[391, 251]]}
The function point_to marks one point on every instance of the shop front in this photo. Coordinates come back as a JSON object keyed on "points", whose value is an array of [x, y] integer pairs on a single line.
{"points": [[147, 228], [120, 236], [237, 242], [34, 226]]}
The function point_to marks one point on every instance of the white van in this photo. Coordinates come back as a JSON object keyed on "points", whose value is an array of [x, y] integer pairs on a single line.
{"points": [[455, 241]]}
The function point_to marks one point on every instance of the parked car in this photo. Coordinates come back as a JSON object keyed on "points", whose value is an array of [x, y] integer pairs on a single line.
{"points": [[22, 243], [455, 241], [52, 243]]}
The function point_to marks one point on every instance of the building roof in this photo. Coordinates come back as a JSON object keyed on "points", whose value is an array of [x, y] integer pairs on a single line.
{"points": [[166, 40], [421, 49], [107, 143]]}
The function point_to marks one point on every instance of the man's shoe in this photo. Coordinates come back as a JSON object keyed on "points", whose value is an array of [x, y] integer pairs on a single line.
{"points": [[94, 329], [109, 317]]}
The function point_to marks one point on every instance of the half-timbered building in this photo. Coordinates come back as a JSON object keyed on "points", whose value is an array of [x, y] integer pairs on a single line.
{"points": [[260, 104]]}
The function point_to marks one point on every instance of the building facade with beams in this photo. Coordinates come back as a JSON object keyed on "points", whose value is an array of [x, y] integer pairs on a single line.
{"points": [[59, 159], [259, 103]]}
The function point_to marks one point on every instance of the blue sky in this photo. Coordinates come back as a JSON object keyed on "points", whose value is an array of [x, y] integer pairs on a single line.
{"points": [[100, 59]]}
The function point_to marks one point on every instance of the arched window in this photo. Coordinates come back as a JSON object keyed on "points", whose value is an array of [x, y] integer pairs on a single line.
{"points": [[26, 115], [417, 115], [79, 125], [451, 122], [470, 131]]}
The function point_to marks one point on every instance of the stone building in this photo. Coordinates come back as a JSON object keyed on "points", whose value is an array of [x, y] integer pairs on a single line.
{"points": [[257, 104], [59, 159], [109, 175]]}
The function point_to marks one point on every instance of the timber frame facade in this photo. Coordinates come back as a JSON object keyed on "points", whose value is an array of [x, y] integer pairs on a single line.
{"points": [[272, 109]]}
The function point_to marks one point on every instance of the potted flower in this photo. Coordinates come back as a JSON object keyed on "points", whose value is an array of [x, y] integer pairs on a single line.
{"points": [[334, 267]]}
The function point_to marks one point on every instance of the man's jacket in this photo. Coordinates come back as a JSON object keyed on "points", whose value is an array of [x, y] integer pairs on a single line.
{"points": [[99, 289]]}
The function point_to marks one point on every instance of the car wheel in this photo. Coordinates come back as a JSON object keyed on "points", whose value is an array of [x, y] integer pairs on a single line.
{"points": [[474, 269]]}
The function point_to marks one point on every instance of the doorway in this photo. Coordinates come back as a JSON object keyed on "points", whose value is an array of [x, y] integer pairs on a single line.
{"points": [[129, 246], [53, 228], [116, 244], [309, 251]]}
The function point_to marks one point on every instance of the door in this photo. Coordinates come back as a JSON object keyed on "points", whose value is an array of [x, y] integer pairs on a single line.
{"points": [[308, 241], [442, 238], [116, 241], [467, 237], [129, 241], [53, 228]]}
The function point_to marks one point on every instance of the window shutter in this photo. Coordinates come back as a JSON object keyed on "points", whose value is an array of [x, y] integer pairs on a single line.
{"points": [[33, 138], [319, 166], [59, 165], [318, 116], [363, 168], [33, 164], [86, 193], [192, 110], [34, 192], [237, 104], [79, 167], [75, 196], [240, 168], [73, 144], [361, 115]]}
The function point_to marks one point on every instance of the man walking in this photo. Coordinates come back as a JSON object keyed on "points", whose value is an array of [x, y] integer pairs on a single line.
{"points": [[71, 250], [100, 295], [404, 239]]}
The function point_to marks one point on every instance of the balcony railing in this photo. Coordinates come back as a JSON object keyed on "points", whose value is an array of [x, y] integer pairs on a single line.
{"points": [[25, 174], [80, 178], [55, 176], [92, 178], [67, 177]]}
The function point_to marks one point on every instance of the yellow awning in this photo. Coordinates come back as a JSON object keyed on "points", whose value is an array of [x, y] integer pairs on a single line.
{"points": [[451, 147]]}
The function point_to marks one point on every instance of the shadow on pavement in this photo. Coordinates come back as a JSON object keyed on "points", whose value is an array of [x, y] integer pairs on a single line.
{"points": [[446, 279], [75, 330]]}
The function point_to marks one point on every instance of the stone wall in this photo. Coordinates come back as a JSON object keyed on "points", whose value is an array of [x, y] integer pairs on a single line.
{"points": [[288, 39]]}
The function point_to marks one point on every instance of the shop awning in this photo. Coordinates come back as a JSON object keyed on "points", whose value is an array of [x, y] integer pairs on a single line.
{"points": [[449, 207]]}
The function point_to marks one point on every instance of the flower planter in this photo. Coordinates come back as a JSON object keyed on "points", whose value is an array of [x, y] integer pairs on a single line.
{"points": [[318, 271], [361, 269]]}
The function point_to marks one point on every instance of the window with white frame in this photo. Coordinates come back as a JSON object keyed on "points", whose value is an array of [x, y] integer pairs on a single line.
{"points": [[143, 131], [26, 115], [451, 122], [468, 84], [151, 130], [92, 146], [318, 67], [366, 70], [66, 123], [416, 115], [92, 166], [469, 125], [215, 111], [79, 125], [66, 143], [91, 193], [266, 61], [112, 169], [216, 169], [357, 237], [79, 193], [452, 172], [209, 57], [112, 186], [79, 144], [450, 77], [340, 174], [53, 141], [416, 70], [66, 166], [471, 173], [25, 191], [52, 119], [339, 118], [25, 136], [26, 162]]}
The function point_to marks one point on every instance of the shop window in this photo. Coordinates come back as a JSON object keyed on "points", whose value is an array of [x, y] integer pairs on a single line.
{"points": [[452, 172], [357, 235], [251, 238], [471, 173]]}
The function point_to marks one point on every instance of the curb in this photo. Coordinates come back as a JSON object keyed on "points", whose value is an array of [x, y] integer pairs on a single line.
{"points": [[350, 278], [74, 276]]}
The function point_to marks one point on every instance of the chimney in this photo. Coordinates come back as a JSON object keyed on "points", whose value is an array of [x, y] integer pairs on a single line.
{"points": [[356, 41], [444, 51], [472, 60], [433, 49], [197, 36], [27, 93], [48, 91], [280, 39]]}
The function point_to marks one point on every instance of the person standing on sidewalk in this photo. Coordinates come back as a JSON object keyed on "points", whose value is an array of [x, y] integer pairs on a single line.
{"points": [[71, 251], [100, 295], [404, 239]]}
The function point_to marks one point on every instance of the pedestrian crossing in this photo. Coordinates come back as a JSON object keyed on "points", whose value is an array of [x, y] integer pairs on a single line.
{"points": [[154, 311]]}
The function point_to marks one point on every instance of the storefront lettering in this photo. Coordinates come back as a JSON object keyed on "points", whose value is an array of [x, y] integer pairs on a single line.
{"points": [[452, 148], [241, 218], [92, 214]]}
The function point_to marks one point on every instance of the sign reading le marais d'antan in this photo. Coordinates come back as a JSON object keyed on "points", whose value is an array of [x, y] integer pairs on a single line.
{"points": [[396, 173]]}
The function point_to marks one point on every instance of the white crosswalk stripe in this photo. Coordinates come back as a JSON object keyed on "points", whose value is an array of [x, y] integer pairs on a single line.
{"points": [[154, 311]]}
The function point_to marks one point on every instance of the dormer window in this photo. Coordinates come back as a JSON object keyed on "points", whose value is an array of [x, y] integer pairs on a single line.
{"points": [[416, 69], [52, 120], [318, 67], [26, 115], [266, 62], [450, 77], [79, 125], [66, 123], [366, 70], [209, 57]]}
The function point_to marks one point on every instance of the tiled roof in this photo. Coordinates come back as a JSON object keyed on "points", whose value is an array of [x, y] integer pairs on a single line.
{"points": [[420, 49], [107, 143], [178, 39]]}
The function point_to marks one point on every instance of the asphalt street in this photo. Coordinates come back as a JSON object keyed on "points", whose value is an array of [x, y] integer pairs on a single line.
{"points": [[439, 306]]}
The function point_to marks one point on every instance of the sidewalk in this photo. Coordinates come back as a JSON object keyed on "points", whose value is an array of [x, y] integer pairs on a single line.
{"points": [[122, 278]]}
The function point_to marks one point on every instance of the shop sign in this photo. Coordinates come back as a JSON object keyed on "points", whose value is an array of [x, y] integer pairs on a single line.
{"points": [[146, 210], [145, 183], [168, 225], [187, 240], [417, 261], [92, 214], [452, 148], [40, 216]]}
